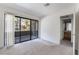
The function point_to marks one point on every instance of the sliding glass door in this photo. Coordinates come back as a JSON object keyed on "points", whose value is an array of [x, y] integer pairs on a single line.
{"points": [[17, 30], [34, 29], [25, 29]]}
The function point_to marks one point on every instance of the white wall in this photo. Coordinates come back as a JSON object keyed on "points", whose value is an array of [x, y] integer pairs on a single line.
{"points": [[4, 10], [77, 31], [77, 28], [50, 25], [50, 29], [62, 29], [1, 29]]}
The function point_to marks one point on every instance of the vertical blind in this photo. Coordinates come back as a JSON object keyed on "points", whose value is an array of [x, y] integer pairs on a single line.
{"points": [[9, 30]]}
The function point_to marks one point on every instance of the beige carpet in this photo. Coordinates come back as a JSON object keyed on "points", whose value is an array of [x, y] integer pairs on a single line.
{"points": [[37, 47]]}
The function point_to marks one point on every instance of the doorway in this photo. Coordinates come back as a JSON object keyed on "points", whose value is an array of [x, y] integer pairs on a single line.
{"points": [[66, 30]]}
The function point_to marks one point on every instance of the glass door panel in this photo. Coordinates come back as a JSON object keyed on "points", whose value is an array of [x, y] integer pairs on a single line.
{"points": [[25, 29], [17, 30], [34, 29]]}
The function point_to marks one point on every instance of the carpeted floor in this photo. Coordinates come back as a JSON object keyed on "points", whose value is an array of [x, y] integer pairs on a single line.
{"points": [[66, 43], [37, 47]]}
